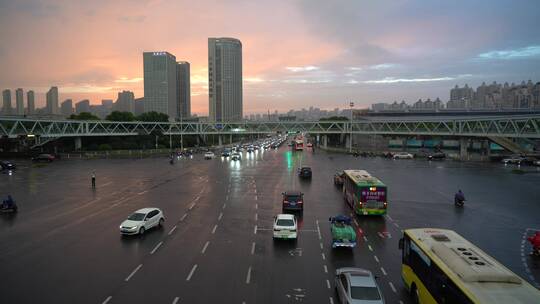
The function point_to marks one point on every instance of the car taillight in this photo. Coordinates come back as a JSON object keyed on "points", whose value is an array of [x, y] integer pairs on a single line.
{"points": [[385, 204], [285, 202], [360, 204], [300, 202]]}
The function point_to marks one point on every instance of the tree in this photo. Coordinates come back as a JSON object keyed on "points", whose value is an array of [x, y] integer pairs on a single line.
{"points": [[120, 116], [84, 116], [334, 118], [153, 117]]}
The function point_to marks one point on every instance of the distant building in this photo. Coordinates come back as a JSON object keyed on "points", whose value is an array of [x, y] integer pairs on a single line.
{"points": [[225, 79], [107, 103], [19, 101], [183, 89], [82, 106], [52, 101], [160, 83], [66, 108], [31, 105], [125, 102], [6, 97], [139, 106], [382, 106]]}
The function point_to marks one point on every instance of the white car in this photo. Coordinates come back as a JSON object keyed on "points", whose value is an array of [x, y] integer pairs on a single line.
{"points": [[236, 156], [403, 155], [285, 227], [357, 286], [209, 155], [142, 220]]}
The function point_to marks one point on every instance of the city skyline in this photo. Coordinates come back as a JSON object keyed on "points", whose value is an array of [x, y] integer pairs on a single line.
{"points": [[366, 52]]}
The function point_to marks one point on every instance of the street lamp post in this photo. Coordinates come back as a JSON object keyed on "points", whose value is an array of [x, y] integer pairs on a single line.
{"points": [[351, 104], [181, 128]]}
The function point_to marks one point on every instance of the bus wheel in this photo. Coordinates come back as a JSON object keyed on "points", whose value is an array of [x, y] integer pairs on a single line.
{"points": [[414, 295]]}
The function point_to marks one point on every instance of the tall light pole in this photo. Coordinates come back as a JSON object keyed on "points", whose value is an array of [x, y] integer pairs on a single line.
{"points": [[181, 128], [351, 104]]}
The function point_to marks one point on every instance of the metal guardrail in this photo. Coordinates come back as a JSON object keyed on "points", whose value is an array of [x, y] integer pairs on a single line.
{"points": [[526, 126]]}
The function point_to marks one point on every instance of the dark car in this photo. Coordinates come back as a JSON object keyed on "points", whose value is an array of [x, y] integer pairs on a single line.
{"points": [[7, 165], [305, 172], [436, 156], [43, 158], [293, 201]]}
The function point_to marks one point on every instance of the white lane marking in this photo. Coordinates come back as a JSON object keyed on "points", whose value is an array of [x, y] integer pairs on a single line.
{"points": [[107, 300], [400, 302], [220, 216], [256, 217], [192, 205], [365, 238], [183, 217], [133, 272], [390, 218], [320, 244], [331, 300], [191, 272], [356, 222], [328, 283], [156, 248], [143, 192], [226, 197], [255, 230], [323, 256], [172, 230], [214, 230], [376, 258], [325, 269], [106, 184], [392, 286], [256, 198], [256, 206], [318, 230], [253, 248], [205, 246], [248, 277], [175, 300], [255, 190], [396, 224], [224, 205], [369, 247], [383, 271]]}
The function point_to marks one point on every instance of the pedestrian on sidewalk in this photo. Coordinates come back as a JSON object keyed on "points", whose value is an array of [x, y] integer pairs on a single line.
{"points": [[93, 179]]}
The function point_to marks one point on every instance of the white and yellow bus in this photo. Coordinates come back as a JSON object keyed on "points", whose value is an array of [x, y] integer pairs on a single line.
{"points": [[440, 266]]}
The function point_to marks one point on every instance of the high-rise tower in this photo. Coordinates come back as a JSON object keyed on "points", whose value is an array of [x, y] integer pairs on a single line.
{"points": [[160, 84], [225, 79]]}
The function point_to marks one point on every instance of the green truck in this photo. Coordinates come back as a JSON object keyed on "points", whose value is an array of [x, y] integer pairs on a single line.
{"points": [[343, 234]]}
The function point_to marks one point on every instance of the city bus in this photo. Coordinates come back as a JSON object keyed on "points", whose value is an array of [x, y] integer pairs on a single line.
{"points": [[440, 266], [366, 194]]}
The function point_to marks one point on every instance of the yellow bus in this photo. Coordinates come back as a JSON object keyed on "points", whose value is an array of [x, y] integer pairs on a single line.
{"points": [[440, 266]]}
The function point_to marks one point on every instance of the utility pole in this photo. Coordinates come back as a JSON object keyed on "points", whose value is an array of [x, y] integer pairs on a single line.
{"points": [[350, 127]]}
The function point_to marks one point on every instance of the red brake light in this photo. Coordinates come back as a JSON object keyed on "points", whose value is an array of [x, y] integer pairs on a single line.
{"points": [[300, 202]]}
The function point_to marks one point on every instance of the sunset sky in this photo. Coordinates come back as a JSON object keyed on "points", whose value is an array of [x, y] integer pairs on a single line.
{"points": [[295, 53]]}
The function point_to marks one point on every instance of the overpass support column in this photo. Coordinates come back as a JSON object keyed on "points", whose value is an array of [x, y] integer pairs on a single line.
{"points": [[463, 144], [230, 139], [78, 143], [325, 141], [487, 147], [220, 140]]}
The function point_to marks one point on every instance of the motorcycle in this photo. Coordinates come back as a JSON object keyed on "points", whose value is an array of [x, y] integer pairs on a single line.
{"points": [[459, 202], [9, 209]]}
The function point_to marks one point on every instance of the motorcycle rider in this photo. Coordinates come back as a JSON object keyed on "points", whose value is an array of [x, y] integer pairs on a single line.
{"points": [[535, 242], [8, 203], [459, 198]]}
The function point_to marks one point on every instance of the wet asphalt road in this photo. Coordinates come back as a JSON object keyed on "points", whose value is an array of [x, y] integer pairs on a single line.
{"points": [[64, 246]]}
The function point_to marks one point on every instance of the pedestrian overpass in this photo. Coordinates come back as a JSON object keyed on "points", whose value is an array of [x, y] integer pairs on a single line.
{"points": [[511, 126]]}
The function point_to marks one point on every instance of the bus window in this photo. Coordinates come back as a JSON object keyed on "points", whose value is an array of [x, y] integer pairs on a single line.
{"points": [[419, 262]]}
